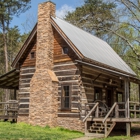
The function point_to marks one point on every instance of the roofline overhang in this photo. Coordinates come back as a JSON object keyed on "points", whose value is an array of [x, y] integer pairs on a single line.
{"points": [[85, 59], [24, 47], [69, 42], [14, 70], [131, 78], [10, 80]]}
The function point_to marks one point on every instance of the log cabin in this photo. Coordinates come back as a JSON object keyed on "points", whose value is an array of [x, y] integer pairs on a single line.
{"points": [[64, 76]]}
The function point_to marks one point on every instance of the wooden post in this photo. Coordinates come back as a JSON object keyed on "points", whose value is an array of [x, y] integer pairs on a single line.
{"points": [[85, 127], [97, 112], [139, 98], [128, 127], [127, 113], [125, 97], [105, 124], [116, 111], [139, 92], [128, 98], [15, 96], [135, 116]]}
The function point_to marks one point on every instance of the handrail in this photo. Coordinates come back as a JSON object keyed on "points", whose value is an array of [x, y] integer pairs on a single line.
{"points": [[90, 111], [132, 102], [8, 102], [109, 112]]}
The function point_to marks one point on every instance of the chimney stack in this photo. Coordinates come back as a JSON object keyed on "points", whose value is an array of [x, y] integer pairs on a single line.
{"points": [[44, 83]]}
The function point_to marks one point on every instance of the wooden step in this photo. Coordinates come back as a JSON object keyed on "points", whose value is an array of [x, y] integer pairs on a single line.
{"points": [[99, 128]]}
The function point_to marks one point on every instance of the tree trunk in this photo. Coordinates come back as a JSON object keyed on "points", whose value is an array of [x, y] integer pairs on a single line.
{"points": [[6, 60]]}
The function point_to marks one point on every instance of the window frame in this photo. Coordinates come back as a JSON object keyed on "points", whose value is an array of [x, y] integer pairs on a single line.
{"points": [[118, 98], [62, 97], [63, 52], [100, 93], [31, 55]]}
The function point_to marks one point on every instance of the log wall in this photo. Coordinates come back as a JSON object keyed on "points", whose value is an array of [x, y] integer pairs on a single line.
{"points": [[26, 74], [59, 43], [68, 74], [92, 79], [27, 70], [28, 60]]}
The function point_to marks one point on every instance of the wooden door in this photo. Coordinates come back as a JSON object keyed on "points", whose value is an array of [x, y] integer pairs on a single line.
{"points": [[109, 97]]}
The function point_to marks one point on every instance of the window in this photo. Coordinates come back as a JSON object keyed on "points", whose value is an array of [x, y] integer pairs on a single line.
{"points": [[98, 94], [32, 55], [65, 102], [119, 97], [65, 50]]}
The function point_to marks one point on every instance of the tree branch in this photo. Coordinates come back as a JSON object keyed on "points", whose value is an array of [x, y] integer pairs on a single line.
{"points": [[130, 10], [126, 40]]}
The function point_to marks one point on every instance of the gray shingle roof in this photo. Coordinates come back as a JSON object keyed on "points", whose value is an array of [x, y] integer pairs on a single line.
{"points": [[92, 47]]}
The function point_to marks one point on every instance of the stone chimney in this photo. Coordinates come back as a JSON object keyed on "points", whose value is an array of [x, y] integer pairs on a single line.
{"points": [[44, 83]]}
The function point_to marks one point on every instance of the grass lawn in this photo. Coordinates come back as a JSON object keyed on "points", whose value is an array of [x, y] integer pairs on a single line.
{"points": [[116, 138], [22, 131]]}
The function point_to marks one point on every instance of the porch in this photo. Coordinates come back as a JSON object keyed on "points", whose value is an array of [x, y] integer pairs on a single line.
{"points": [[101, 120], [10, 105], [9, 110]]}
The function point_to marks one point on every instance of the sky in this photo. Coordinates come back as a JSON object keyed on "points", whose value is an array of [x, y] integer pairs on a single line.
{"points": [[26, 20]]}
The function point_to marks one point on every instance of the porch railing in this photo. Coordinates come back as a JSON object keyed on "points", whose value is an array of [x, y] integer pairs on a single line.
{"points": [[118, 110], [110, 111], [95, 105], [134, 109], [9, 108]]}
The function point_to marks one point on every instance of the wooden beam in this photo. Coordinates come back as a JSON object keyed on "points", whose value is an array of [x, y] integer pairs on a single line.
{"points": [[139, 93], [128, 128], [96, 78], [15, 96], [9, 81]]}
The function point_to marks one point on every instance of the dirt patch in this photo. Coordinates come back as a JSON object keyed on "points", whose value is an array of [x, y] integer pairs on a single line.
{"points": [[135, 131]]}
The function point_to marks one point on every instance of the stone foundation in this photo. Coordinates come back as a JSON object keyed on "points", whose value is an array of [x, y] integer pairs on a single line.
{"points": [[71, 123], [43, 100], [23, 118]]}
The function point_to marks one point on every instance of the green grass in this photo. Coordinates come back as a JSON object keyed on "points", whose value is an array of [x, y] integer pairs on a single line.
{"points": [[116, 138], [22, 131]]}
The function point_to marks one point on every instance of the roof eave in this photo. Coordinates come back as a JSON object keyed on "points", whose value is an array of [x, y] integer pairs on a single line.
{"points": [[85, 59]]}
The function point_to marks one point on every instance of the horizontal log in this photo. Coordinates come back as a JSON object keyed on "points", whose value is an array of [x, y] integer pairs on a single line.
{"points": [[97, 71], [23, 106], [23, 95], [25, 81], [27, 71], [68, 78], [27, 68], [65, 66], [92, 85], [69, 82], [73, 115], [69, 72], [24, 86], [26, 76], [23, 111], [24, 100]]}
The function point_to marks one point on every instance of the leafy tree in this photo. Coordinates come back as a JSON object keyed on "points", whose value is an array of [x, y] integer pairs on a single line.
{"points": [[8, 9], [93, 16]]}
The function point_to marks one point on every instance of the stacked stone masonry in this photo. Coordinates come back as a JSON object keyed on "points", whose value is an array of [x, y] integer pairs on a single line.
{"points": [[43, 91]]}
